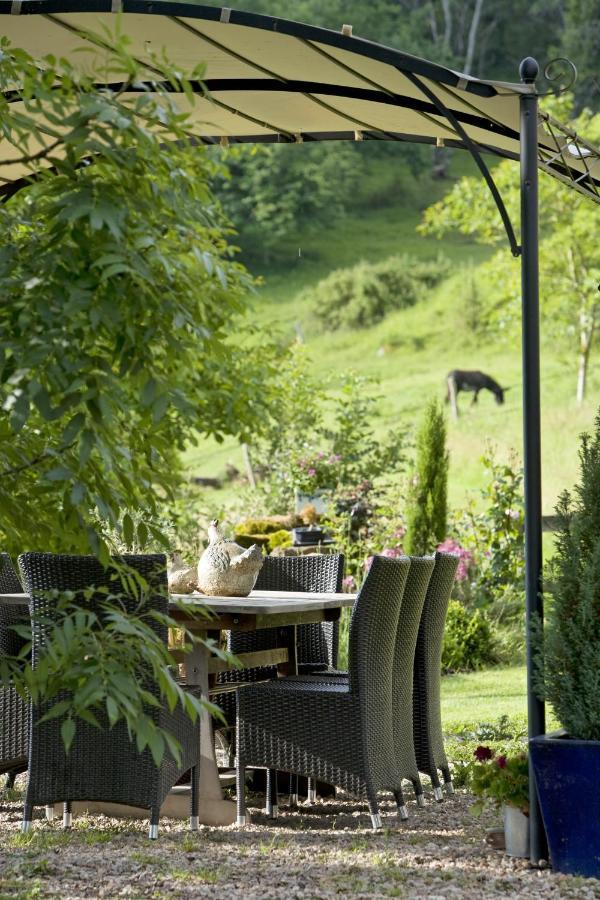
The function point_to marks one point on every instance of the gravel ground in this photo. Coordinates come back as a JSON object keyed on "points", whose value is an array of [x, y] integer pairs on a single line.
{"points": [[327, 850]]}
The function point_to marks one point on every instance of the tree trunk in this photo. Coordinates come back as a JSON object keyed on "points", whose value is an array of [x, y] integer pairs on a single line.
{"points": [[585, 345], [473, 36]]}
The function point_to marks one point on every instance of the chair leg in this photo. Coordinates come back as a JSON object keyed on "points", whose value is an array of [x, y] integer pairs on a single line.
{"points": [[294, 796], [271, 806], [437, 787], [374, 809], [27, 817], [195, 776], [311, 793], [400, 804], [10, 780], [50, 813], [240, 784], [154, 817], [448, 782], [67, 814], [418, 789]]}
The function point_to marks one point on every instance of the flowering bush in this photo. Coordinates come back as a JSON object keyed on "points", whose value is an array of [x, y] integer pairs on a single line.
{"points": [[317, 471], [499, 780], [465, 557]]}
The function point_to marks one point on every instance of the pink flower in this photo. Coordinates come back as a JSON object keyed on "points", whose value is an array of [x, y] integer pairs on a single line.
{"points": [[367, 563], [348, 584], [482, 753], [465, 557], [312, 472]]}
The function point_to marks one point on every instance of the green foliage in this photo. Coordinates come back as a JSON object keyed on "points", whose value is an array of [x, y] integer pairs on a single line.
{"points": [[119, 295], [95, 664], [468, 640], [258, 526], [499, 780], [495, 536], [569, 253], [334, 418], [362, 295], [426, 517], [570, 668], [280, 539]]}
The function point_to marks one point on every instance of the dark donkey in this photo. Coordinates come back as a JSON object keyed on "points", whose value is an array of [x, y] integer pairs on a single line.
{"points": [[459, 380]]}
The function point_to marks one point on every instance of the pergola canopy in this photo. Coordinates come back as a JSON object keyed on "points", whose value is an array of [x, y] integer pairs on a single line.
{"points": [[272, 80]]}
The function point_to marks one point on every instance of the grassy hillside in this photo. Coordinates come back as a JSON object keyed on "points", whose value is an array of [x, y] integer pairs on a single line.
{"points": [[412, 350]]}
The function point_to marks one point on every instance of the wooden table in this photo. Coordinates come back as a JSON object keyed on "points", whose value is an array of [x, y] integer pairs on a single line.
{"points": [[262, 609]]}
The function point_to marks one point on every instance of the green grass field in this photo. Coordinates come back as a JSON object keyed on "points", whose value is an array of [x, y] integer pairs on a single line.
{"points": [[483, 697], [411, 351]]}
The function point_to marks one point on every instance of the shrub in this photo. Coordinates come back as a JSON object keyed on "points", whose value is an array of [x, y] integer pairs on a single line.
{"points": [[426, 517], [468, 640], [279, 539], [362, 295], [571, 663], [256, 527]]}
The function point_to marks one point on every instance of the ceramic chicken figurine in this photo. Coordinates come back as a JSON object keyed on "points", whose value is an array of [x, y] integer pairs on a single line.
{"points": [[225, 568], [181, 577]]}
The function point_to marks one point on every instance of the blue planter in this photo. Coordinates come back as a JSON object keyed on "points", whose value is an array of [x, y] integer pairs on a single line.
{"points": [[567, 775]]}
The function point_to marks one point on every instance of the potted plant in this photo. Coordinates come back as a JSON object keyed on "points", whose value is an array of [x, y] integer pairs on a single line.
{"points": [[314, 475], [503, 781], [566, 764]]}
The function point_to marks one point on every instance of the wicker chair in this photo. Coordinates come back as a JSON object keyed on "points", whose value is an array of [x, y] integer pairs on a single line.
{"points": [[427, 718], [421, 568], [102, 765], [14, 716], [317, 644], [340, 733]]}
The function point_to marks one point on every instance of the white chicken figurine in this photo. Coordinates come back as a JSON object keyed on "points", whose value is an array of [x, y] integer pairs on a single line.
{"points": [[181, 577], [225, 568]]}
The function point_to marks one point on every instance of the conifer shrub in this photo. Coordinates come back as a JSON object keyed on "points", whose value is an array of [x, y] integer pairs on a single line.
{"points": [[427, 512], [569, 669], [468, 640]]}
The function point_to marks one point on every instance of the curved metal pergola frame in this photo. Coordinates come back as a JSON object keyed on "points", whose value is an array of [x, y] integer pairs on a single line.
{"points": [[459, 109]]}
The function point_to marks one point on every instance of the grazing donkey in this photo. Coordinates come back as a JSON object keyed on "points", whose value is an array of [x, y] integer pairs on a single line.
{"points": [[459, 380]]}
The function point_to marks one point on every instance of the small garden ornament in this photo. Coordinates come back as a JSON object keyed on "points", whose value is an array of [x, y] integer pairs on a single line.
{"points": [[182, 578], [225, 568]]}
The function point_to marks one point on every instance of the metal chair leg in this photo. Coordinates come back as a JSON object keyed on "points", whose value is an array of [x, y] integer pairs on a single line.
{"points": [[240, 783], [67, 814], [27, 817], [154, 818], [401, 805], [194, 789], [311, 792], [271, 806]]}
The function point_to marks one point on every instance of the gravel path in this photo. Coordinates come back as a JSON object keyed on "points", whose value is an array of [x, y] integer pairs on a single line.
{"points": [[327, 850]]}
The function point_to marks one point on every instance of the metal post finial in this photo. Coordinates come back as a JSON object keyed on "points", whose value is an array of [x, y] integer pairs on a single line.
{"points": [[529, 70]]}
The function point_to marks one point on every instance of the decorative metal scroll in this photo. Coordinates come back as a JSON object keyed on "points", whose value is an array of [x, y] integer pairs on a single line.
{"points": [[555, 71]]}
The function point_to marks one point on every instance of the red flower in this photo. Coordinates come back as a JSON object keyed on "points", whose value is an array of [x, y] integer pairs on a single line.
{"points": [[482, 753], [501, 762]]}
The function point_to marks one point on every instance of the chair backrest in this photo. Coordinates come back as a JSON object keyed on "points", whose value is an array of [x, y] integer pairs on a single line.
{"points": [[316, 643], [11, 643], [428, 658], [46, 572], [413, 600], [373, 627], [314, 572]]}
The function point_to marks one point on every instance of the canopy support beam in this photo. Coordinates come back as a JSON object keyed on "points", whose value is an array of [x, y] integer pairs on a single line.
{"points": [[470, 146], [534, 604]]}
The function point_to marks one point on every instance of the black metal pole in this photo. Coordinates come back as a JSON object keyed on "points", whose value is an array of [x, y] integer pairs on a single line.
{"points": [[534, 607]]}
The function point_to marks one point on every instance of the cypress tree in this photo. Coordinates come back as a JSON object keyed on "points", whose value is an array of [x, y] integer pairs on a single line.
{"points": [[426, 517]]}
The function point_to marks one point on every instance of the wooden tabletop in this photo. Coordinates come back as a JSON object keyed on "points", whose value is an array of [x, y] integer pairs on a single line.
{"points": [[257, 603], [268, 602]]}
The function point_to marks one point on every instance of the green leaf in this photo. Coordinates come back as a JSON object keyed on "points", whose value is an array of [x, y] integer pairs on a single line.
{"points": [[128, 529], [67, 731]]}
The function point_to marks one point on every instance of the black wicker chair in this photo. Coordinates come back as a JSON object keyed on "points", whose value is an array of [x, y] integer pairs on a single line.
{"points": [[415, 589], [340, 733], [427, 717], [102, 765], [14, 715], [317, 644]]}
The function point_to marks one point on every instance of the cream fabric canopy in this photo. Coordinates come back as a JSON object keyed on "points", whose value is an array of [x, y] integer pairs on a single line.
{"points": [[274, 80]]}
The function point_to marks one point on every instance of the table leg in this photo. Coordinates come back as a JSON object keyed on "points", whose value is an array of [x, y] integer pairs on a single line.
{"points": [[213, 809]]}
